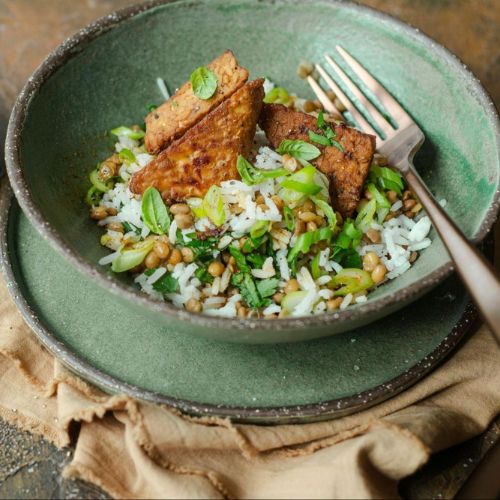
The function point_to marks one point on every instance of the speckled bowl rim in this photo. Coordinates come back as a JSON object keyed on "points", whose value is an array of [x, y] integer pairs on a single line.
{"points": [[78, 42], [267, 415]]}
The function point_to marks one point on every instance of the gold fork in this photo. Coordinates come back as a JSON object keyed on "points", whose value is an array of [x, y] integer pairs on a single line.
{"points": [[399, 146]]}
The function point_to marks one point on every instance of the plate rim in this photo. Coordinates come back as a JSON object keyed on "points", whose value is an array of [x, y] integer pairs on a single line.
{"points": [[78, 41], [266, 415]]}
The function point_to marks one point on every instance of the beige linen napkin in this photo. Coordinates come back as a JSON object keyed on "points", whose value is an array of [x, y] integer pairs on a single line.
{"points": [[133, 449]]}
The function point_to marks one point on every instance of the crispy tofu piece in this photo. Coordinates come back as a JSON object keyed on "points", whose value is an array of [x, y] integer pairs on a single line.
{"points": [[179, 113], [346, 170], [206, 154]]}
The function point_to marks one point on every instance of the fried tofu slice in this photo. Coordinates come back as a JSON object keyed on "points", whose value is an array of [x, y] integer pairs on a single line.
{"points": [[179, 113], [347, 170], [207, 153]]}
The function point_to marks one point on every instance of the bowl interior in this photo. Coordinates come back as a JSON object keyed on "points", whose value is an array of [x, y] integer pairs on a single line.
{"points": [[112, 80]]}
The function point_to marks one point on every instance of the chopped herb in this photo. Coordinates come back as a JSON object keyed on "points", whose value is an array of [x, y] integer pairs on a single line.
{"points": [[267, 287], [128, 227], [306, 240], [203, 248], [166, 284], [256, 259], [151, 107], [204, 82], [344, 248], [251, 175], [240, 259], [154, 212], [203, 275], [327, 139], [249, 290]]}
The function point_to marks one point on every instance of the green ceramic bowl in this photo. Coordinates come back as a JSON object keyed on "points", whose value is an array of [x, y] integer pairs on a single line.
{"points": [[105, 76]]}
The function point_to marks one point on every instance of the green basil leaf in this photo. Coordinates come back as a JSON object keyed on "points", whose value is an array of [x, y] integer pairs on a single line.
{"points": [[154, 212], [204, 82], [251, 175], [203, 275], [301, 150]]}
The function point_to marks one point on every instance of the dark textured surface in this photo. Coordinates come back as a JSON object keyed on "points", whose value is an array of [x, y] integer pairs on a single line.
{"points": [[29, 466]]}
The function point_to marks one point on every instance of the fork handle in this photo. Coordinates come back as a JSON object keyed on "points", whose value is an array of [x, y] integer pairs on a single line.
{"points": [[477, 274]]}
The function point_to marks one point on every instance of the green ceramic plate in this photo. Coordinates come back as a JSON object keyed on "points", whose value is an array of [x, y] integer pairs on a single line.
{"points": [[106, 75], [121, 351]]}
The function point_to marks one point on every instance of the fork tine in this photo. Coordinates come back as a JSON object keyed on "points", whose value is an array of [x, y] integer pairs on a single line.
{"points": [[372, 110], [399, 115], [323, 98], [346, 102]]}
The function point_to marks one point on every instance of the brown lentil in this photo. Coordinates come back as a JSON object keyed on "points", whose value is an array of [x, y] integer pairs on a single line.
{"points": [[111, 211], [339, 105], [333, 304], [278, 202], [152, 260], [307, 216], [291, 285], [378, 274], [242, 312], [162, 249], [304, 69], [175, 257], [413, 257], [216, 268], [187, 255], [407, 195], [308, 205], [107, 170], [392, 196], [409, 204], [180, 208], [373, 235], [370, 261], [193, 305], [311, 226], [115, 226], [278, 297], [184, 220], [417, 208], [309, 106], [300, 227], [410, 214], [98, 213]]}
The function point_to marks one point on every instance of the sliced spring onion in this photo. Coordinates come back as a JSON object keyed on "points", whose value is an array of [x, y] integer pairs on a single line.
{"points": [[301, 187], [97, 183], [387, 179], [316, 271], [213, 206], [351, 281], [154, 212], [132, 257], [260, 228], [289, 218], [251, 175], [277, 95], [306, 240], [291, 300], [196, 206], [365, 216], [93, 196], [327, 210], [126, 155], [128, 132], [383, 204]]}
